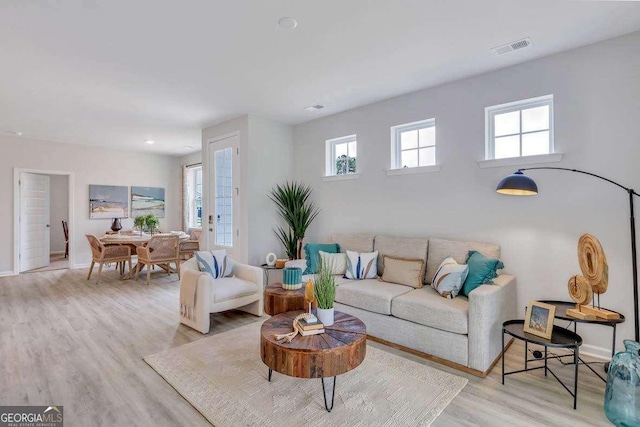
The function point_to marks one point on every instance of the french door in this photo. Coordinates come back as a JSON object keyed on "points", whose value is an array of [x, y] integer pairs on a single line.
{"points": [[224, 191]]}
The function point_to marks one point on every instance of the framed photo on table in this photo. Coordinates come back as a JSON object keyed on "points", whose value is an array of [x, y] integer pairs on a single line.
{"points": [[539, 319]]}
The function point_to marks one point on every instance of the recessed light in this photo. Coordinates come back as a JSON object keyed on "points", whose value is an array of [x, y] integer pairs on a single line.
{"points": [[314, 107], [188, 147], [149, 141], [287, 23]]}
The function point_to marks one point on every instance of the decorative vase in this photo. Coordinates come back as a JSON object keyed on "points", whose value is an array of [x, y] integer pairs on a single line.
{"points": [[291, 278], [622, 396], [325, 315], [116, 226]]}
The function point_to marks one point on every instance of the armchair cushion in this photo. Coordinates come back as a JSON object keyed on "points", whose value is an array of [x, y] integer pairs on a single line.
{"points": [[228, 288], [215, 263]]}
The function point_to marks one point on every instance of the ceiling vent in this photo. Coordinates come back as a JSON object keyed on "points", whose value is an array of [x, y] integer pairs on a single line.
{"points": [[520, 44], [314, 107]]}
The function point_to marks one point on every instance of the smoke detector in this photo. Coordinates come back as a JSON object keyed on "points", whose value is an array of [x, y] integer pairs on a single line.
{"points": [[314, 107], [510, 47]]}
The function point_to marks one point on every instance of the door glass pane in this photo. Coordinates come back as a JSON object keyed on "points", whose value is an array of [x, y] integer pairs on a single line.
{"points": [[507, 146], [409, 159], [224, 197], [409, 139], [535, 119], [506, 123], [535, 143], [427, 156], [427, 136]]}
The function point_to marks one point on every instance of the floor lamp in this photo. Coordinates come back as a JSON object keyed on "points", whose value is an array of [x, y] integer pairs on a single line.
{"points": [[518, 184]]}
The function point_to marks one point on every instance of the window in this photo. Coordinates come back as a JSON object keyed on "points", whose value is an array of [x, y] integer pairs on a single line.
{"points": [[413, 144], [522, 128], [342, 155], [193, 197], [224, 196]]}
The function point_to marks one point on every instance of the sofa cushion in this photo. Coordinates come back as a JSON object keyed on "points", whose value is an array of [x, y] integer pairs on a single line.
{"points": [[370, 294], [337, 263], [449, 278], [401, 247], [482, 270], [228, 288], [440, 249], [403, 271], [426, 307], [353, 242], [361, 265], [312, 254]]}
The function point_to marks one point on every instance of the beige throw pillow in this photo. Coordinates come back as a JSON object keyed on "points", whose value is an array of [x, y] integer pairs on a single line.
{"points": [[337, 262], [403, 271]]}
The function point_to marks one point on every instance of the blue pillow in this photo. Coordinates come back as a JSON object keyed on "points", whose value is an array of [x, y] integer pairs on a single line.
{"points": [[312, 254], [482, 271]]}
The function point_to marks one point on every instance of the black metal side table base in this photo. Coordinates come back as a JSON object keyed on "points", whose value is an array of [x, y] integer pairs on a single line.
{"points": [[324, 391]]}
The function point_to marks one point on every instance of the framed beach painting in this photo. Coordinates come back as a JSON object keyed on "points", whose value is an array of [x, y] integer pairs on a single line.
{"points": [[108, 201], [147, 200], [539, 319]]}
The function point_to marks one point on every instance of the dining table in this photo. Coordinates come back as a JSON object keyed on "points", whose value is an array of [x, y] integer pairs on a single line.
{"points": [[137, 239]]}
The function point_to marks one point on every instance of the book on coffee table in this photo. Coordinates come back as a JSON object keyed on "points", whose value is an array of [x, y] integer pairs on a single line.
{"points": [[310, 326], [313, 332]]}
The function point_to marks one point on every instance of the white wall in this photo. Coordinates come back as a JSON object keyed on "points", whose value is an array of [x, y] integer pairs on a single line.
{"points": [[90, 165], [597, 106], [59, 197]]}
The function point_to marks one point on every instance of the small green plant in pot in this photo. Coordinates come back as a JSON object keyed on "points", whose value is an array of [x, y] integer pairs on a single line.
{"points": [[139, 223], [152, 222], [325, 293]]}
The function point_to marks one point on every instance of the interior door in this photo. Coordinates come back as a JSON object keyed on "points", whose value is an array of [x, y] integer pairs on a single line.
{"points": [[35, 229], [224, 192]]}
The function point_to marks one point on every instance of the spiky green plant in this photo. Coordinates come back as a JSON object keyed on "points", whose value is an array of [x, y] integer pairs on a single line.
{"points": [[325, 286], [288, 240], [294, 206]]}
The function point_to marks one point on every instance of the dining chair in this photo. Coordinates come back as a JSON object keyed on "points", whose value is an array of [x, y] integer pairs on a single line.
{"points": [[102, 254], [160, 250], [192, 245], [65, 230]]}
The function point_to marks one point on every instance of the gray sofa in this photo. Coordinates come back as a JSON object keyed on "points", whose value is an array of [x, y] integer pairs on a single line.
{"points": [[462, 332]]}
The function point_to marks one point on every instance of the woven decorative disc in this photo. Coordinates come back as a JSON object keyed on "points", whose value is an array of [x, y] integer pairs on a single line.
{"points": [[580, 290], [593, 263]]}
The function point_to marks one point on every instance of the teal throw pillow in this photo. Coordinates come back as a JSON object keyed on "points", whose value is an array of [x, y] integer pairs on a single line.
{"points": [[312, 254], [482, 271]]}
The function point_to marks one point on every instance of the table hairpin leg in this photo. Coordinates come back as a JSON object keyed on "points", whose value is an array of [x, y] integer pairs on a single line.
{"points": [[270, 372], [333, 393]]}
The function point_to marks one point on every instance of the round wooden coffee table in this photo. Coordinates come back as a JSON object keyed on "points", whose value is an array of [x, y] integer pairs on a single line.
{"points": [[340, 349], [278, 300]]}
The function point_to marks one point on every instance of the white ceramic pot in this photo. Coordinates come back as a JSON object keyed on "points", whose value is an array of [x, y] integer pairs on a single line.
{"points": [[325, 315]]}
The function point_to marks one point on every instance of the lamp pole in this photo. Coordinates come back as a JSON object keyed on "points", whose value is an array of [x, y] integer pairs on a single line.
{"points": [[632, 222]]}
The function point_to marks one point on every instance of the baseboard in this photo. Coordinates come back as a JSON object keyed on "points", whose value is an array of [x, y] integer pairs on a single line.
{"points": [[595, 351], [56, 253], [78, 266], [441, 361], [7, 273]]}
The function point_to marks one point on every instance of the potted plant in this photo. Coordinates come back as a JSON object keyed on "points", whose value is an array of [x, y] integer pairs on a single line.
{"points": [[292, 200], [139, 222], [325, 293], [152, 222], [288, 240]]}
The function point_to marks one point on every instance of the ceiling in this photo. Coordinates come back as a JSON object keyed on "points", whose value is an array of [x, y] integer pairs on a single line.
{"points": [[114, 73]]}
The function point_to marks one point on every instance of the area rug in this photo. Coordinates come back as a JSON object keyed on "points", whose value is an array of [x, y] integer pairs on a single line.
{"points": [[224, 378]]}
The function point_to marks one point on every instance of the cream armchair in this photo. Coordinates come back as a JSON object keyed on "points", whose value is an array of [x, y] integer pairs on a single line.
{"points": [[243, 291]]}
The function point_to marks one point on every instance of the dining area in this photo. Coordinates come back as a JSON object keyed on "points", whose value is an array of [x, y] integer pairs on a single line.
{"points": [[119, 250]]}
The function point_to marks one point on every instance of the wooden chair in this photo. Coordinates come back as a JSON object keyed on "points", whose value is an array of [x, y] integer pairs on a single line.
{"points": [[65, 229], [107, 254], [160, 250], [191, 246]]}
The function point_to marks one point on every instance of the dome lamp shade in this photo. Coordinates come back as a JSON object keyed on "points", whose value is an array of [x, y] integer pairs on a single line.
{"points": [[517, 184]]}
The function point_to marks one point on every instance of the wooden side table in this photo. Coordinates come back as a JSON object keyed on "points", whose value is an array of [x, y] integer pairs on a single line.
{"points": [[278, 300], [340, 349]]}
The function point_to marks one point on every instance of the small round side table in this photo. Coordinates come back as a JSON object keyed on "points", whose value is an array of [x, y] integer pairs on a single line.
{"points": [[560, 338], [278, 300]]}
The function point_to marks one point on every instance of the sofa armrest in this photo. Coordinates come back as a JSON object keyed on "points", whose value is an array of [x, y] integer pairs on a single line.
{"points": [[249, 273], [489, 307], [204, 292]]}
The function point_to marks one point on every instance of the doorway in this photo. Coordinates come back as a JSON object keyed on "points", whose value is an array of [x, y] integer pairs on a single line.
{"points": [[43, 220]]}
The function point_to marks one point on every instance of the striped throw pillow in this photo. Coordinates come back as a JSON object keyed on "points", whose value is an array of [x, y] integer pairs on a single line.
{"points": [[215, 263], [449, 278]]}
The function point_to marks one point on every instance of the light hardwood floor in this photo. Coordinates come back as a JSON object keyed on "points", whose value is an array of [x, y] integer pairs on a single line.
{"points": [[66, 341]]}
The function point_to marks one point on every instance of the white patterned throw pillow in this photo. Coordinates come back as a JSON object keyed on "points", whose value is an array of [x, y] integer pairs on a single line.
{"points": [[361, 265], [215, 263], [449, 278], [336, 262]]}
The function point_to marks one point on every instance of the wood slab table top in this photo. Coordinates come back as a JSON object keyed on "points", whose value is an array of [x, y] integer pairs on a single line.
{"points": [[340, 349]]}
